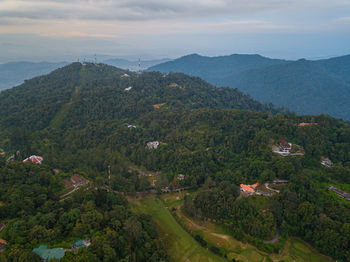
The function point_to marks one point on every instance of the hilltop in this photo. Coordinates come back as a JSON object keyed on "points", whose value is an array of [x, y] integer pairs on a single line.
{"points": [[303, 86], [80, 93], [15, 73]]}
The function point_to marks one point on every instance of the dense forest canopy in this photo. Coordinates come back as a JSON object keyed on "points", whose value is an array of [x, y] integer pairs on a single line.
{"points": [[85, 118]]}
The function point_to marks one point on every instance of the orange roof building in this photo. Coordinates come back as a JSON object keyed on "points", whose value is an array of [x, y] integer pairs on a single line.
{"points": [[249, 189], [3, 241]]}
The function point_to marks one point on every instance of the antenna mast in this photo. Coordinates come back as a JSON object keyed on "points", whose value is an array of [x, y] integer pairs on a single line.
{"points": [[139, 67]]}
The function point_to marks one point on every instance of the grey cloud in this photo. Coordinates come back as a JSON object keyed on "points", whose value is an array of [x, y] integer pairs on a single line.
{"points": [[131, 9]]}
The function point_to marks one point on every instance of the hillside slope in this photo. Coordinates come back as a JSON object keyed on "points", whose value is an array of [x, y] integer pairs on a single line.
{"points": [[94, 92], [306, 87]]}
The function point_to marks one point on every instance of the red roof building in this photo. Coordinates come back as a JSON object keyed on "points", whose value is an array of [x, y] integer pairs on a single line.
{"points": [[34, 159], [285, 146], [77, 179]]}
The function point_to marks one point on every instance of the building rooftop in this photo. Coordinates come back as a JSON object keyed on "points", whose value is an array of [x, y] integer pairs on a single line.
{"points": [[34, 159], [284, 143], [3, 241], [76, 178]]}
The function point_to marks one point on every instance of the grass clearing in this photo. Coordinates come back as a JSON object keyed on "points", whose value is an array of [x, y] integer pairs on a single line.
{"points": [[218, 235], [180, 245]]}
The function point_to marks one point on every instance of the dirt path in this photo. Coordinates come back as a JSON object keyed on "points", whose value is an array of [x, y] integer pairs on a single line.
{"points": [[275, 239], [225, 237]]}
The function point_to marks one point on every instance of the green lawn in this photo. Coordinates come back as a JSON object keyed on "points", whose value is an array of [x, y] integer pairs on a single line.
{"points": [[294, 249], [180, 245]]}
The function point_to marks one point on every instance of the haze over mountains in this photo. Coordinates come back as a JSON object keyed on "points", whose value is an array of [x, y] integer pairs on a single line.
{"points": [[14, 73], [303, 86], [133, 65]]}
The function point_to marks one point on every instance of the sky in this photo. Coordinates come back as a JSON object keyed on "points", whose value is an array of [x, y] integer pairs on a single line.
{"points": [[56, 30]]}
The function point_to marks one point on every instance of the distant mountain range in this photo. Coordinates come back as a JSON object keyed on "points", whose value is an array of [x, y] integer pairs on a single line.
{"points": [[14, 73], [304, 86], [133, 65]]}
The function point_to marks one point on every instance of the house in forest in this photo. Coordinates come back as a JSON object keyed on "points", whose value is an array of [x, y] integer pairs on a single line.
{"points": [[326, 162], [34, 159], [81, 243], [153, 145], [124, 76], [180, 177], [285, 146], [3, 244], [78, 180], [130, 126], [249, 189]]}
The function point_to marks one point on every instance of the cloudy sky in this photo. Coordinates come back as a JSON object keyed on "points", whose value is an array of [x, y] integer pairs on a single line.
{"points": [[68, 29]]}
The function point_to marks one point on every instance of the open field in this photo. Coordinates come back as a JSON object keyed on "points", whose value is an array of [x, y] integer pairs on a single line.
{"points": [[215, 234], [180, 245]]}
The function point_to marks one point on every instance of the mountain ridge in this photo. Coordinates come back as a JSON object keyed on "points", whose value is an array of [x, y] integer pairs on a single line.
{"points": [[78, 83], [314, 86]]}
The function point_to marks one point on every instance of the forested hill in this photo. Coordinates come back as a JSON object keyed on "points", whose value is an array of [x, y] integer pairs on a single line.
{"points": [[304, 86], [79, 93], [98, 121]]}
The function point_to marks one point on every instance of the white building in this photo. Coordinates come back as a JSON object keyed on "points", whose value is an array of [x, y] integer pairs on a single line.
{"points": [[124, 76], [153, 145]]}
